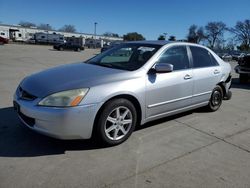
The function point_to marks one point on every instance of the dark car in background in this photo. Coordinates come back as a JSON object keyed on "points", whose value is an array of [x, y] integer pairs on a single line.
{"points": [[111, 45], [4, 40], [68, 46], [243, 68], [225, 56], [237, 56]]}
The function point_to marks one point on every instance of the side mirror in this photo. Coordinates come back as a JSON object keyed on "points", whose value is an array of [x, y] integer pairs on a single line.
{"points": [[163, 68]]}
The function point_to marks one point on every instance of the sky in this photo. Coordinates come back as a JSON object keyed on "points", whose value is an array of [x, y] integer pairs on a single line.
{"points": [[149, 18]]}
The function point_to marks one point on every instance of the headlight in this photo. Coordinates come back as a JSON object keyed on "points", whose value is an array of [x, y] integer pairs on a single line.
{"points": [[64, 98]]}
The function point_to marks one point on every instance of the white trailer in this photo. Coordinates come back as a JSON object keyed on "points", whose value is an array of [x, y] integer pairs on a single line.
{"points": [[4, 34], [48, 38]]}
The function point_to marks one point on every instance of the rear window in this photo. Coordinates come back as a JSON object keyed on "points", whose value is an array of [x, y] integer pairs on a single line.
{"points": [[202, 57]]}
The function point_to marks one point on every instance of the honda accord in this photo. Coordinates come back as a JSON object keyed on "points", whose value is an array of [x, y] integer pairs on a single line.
{"points": [[131, 84]]}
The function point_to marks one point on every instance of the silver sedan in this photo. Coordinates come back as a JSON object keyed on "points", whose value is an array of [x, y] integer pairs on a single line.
{"points": [[128, 85]]}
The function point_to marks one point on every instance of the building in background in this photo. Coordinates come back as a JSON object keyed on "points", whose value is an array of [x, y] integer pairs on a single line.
{"points": [[17, 33]]}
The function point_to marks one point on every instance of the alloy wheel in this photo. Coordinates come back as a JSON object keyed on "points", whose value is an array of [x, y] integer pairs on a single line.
{"points": [[118, 123]]}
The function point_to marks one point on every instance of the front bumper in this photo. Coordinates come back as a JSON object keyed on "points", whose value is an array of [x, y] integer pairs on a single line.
{"points": [[63, 123]]}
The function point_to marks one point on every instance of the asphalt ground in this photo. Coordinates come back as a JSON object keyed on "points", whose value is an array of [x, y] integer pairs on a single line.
{"points": [[193, 149]]}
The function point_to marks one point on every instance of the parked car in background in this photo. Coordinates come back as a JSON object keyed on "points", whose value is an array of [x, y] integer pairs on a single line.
{"points": [[237, 56], [110, 94], [225, 56], [243, 68], [4, 40], [111, 45], [68, 46]]}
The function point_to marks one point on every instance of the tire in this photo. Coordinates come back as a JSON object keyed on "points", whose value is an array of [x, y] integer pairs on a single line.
{"points": [[116, 122], [78, 49], [215, 100], [228, 96], [243, 78], [61, 49]]}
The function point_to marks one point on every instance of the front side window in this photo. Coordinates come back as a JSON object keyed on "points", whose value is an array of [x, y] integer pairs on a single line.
{"points": [[202, 57], [129, 56], [177, 56]]}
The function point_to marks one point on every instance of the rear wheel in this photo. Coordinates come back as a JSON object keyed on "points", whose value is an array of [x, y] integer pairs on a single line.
{"points": [[116, 122], [216, 99], [243, 78]]}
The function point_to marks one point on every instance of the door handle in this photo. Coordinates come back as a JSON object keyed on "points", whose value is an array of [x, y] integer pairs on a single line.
{"points": [[187, 76], [216, 71]]}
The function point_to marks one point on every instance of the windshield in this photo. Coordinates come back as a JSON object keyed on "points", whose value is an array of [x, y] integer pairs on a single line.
{"points": [[130, 56]]}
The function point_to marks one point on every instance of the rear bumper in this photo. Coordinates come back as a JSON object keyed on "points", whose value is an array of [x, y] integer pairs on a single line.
{"points": [[242, 70], [227, 85], [63, 123]]}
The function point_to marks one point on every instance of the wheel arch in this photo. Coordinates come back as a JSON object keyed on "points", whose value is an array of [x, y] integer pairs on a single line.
{"points": [[223, 87], [129, 97]]}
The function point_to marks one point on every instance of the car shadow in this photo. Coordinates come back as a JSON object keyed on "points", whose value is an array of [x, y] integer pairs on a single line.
{"points": [[18, 141], [236, 84]]}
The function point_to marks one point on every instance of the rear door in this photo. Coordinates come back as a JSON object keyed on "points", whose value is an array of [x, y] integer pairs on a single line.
{"points": [[206, 73]]}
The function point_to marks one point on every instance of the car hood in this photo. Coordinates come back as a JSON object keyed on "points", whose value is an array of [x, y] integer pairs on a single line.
{"points": [[67, 77]]}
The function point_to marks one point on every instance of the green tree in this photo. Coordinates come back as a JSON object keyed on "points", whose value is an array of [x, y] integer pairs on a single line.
{"points": [[214, 32], [68, 28], [172, 38], [161, 37], [133, 36]]}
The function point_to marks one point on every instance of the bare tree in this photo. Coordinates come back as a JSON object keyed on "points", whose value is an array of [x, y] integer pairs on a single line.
{"points": [[44, 26], [110, 34], [242, 33], [27, 24], [195, 34], [68, 28], [215, 32]]}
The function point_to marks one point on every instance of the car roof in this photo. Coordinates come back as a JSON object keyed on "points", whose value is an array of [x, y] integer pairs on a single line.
{"points": [[157, 42], [164, 42]]}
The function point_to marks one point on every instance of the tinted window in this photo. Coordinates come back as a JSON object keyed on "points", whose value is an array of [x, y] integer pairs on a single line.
{"points": [[202, 57], [177, 56]]}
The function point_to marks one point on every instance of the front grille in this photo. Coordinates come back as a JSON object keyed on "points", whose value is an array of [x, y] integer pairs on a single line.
{"points": [[28, 120], [25, 95]]}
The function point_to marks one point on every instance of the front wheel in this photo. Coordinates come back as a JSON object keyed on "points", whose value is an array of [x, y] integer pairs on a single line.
{"points": [[216, 99], [116, 122]]}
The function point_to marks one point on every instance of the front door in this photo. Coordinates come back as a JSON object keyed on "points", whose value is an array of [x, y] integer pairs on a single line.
{"points": [[168, 92]]}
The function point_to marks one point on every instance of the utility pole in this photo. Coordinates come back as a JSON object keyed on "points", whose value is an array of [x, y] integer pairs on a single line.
{"points": [[95, 32], [47, 34]]}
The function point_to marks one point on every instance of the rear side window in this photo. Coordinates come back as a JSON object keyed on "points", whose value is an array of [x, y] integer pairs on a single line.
{"points": [[202, 57], [177, 56]]}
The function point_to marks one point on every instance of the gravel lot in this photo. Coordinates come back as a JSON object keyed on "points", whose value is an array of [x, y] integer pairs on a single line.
{"points": [[194, 149]]}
